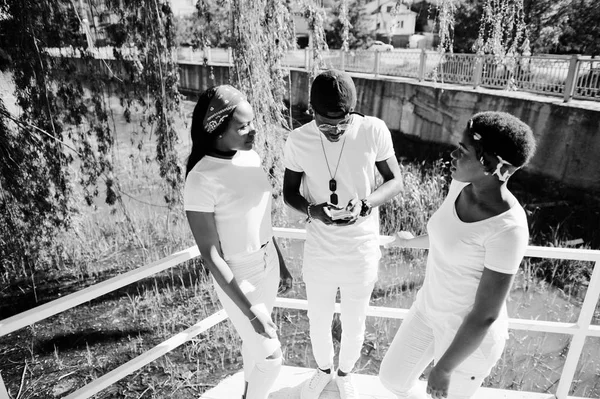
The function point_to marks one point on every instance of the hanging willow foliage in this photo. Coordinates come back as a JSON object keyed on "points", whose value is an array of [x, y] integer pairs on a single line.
{"points": [[151, 80], [346, 25], [502, 33], [262, 32], [315, 16], [445, 21], [63, 117], [53, 123], [502, 30]]}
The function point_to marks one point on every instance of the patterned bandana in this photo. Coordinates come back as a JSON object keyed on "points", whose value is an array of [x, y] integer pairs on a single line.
{"points": [[224, 101]]}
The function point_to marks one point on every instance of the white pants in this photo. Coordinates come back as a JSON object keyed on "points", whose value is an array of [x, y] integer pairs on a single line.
{"points": [[321, 306], [417, 343], [258, 276]]}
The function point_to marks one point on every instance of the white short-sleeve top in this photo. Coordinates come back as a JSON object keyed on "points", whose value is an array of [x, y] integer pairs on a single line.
{"points": [[238, 192], [459, 252], [348, 254]]}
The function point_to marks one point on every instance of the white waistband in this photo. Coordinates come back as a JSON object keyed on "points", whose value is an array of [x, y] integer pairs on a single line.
{"points": [[252, 257]]}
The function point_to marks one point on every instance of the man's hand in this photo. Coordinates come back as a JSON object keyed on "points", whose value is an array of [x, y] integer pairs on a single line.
{"points": [[351, 211], [321, 212]]}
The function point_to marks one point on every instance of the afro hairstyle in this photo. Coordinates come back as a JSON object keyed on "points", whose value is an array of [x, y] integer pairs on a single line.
{"points": [[505, 135]]}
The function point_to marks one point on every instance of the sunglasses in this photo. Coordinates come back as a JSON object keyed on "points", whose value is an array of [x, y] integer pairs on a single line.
{"points": [[335, 129], [338, 128]]}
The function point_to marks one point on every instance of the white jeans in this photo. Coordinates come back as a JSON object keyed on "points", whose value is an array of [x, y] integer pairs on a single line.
{"points": [[417, 343], [258, 276], [321, 306]]}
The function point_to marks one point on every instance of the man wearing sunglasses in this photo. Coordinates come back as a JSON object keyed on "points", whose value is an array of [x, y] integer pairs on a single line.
{"points": [[330, 178]]}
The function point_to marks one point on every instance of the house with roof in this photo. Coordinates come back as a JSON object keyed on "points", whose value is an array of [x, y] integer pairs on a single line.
{"points": [[390, 21]]}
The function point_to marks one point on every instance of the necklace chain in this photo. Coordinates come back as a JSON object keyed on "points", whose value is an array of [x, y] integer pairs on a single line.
{"points": [[339, 157]]}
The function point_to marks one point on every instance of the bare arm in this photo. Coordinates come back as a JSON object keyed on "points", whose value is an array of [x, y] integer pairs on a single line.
{"points": [[291, 191], [392, 182], [293, 198], [492, 292], [204, 230]]}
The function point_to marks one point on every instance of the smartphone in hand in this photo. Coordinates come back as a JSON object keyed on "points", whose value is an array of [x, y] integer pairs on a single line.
{"points": [[343, 213], [337, 214]]}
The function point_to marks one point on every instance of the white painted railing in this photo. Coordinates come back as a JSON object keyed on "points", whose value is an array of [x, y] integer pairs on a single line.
{"points": [[579, 330]]}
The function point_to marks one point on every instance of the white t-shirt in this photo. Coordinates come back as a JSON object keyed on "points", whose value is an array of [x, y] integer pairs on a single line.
{"points": [[458, 253], [348, 254], [238, 192]]}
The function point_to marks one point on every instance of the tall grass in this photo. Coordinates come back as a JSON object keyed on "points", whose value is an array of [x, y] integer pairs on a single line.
{"points": [[424, 190]]}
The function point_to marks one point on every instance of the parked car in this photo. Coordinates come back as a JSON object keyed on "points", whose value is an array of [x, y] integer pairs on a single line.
{"points": [[378, 45]]}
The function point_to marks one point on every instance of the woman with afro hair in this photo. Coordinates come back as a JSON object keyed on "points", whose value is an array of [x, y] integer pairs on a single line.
{"points": [[476, 240]]}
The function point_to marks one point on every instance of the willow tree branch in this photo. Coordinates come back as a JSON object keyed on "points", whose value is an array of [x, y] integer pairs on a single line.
{"points": [[26, 125]]}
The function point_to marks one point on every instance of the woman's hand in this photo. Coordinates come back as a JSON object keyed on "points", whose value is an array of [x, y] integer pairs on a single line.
{"points": [[438, 383], [401, 239], [261, 322]]}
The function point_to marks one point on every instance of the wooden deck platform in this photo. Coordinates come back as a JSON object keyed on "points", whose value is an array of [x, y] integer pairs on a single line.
{"points": [[291, 379]]}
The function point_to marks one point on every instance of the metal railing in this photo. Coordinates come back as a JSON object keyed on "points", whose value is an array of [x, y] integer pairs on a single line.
{"points": [[587, 79], [554, 75], [579, 330]]}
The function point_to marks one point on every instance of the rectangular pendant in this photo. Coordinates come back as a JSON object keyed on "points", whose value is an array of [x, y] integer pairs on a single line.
{"points": [[333, 198], [332, 185]]}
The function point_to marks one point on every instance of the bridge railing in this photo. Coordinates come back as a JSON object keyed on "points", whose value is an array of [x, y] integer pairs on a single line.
{"points": [[579, 330], [554, 75], [587, 79]]}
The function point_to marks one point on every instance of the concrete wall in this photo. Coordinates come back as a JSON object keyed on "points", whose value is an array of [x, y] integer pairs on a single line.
{"points": [[568, 136]]}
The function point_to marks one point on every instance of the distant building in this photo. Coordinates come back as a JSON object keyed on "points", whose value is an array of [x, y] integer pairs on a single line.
{"points": [[391, 21]]}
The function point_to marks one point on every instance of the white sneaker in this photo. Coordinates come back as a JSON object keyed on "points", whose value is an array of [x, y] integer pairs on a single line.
{"points": [[346, 387], [313, 387]]}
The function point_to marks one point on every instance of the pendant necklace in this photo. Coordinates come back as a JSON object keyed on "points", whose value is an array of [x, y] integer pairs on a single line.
{"points": [[333, 198]]}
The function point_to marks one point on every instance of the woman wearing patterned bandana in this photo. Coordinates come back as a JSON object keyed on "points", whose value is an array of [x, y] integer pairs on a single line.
{"points": [[227, 199], [476, 239]]}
